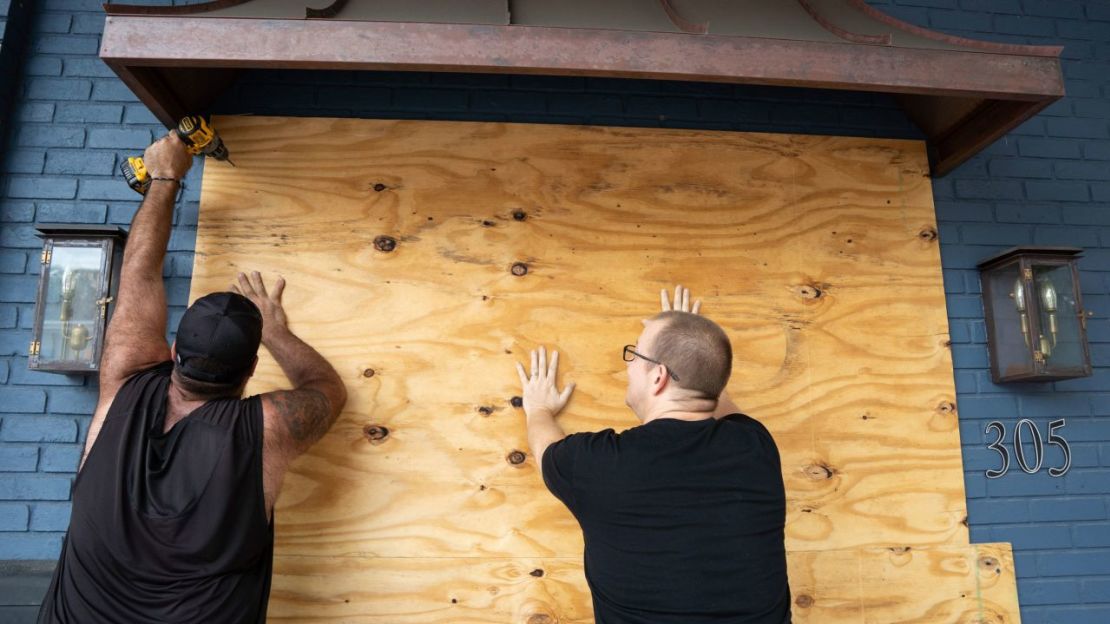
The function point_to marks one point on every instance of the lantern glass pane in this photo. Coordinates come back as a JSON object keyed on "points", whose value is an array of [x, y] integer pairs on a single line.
{"points": [[71, 315], [1010, 307], [1059, 320]]}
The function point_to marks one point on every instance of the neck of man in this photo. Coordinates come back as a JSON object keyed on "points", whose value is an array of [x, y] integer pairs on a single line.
{"points": [[178, 405], [690, 409], [179, 396]]}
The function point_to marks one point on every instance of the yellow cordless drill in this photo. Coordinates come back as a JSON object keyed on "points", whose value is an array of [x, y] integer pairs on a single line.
{"points": [[198, 137]]}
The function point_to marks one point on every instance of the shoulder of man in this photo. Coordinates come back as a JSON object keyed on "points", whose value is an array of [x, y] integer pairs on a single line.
{"points": [[578, 453], [755, 427], [579, 445], [150, 374], [160, 369], [745, 421]]}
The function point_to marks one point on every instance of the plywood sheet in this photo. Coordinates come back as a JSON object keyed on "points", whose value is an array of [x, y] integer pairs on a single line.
{"points": [[817, 254], [931, 585]]}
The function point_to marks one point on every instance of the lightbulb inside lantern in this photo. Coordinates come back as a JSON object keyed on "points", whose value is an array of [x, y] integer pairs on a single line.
{"points": [[1019, 295], [1048, 295]]}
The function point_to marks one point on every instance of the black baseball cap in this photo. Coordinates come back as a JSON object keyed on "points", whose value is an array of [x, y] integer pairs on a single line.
{"points": [[218, 338]]}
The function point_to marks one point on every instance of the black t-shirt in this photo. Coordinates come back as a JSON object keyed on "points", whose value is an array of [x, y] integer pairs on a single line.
{"points": [[167, 526], [683, 521]]}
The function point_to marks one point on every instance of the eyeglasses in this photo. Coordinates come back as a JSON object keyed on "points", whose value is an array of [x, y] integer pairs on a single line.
{"points": [[630, 354]]}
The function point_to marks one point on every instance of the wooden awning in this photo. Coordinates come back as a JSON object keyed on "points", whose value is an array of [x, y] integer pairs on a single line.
{"points": [[964, 94]]}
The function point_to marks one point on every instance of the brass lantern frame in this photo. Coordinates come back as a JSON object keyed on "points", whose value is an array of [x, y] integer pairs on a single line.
{"points": [[1038, 366], [110, 240]]}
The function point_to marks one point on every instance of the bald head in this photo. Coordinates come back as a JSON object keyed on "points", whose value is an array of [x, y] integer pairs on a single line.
{"points": [[696, 350]]}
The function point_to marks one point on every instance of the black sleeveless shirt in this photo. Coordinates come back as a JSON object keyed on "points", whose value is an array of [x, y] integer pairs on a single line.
{"points": [[167, 527]]}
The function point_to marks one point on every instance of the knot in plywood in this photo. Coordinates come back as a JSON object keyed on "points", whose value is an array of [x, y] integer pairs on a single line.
{"points": [[804, 601], [809, 291], [520, 215], [541, 618], [928, 234], [376, 434], [485, 410], [990, 564], [946, 407], [516, 402], [536, 573], [379, 187], [385, 243], [901, 555], [519, 269], [819, 472], [368, 372], [516, 457]]}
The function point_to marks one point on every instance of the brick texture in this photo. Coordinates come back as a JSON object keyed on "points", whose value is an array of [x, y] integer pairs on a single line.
{"points": [[1046, 183], [1042, 185]]}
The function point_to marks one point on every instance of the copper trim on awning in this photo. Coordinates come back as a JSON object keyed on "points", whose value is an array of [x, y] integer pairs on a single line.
{"points": [[964, 94]]}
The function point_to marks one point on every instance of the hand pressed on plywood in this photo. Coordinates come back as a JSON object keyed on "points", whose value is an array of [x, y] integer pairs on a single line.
{"points": [[541, 396], [274, 319], [543, 401]]}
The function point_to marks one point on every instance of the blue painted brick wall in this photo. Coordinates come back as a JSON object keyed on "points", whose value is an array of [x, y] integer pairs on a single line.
{"points": [[70, 126], [1045, 183]]}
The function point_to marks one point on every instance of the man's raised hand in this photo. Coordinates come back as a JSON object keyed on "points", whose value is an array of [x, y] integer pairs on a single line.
{"points": [[167, 158], [269, 303], [540, 394], [681, 300]]}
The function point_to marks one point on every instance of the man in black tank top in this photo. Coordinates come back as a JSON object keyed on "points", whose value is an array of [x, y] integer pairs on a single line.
{"points": [[683, 516], [173, 503]]}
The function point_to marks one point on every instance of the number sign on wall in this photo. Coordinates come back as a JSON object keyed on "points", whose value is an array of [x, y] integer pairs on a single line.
{"points": [[1027, 428]]}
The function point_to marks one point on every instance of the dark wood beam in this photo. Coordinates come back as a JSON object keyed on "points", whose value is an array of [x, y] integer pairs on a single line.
{"points": [[973, 132], [963, 98], [146, 83], [320, 44], [172, 93]]}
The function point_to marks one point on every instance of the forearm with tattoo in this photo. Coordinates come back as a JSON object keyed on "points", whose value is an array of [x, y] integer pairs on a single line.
{"points": [[306, 414], [318, 394]]}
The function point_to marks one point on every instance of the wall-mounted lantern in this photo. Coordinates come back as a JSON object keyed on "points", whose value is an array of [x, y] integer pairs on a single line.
{"points": [[77, 285], [1036, 326]]}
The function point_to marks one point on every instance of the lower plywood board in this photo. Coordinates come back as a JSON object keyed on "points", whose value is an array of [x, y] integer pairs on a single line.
{"points": [[933, 585]]}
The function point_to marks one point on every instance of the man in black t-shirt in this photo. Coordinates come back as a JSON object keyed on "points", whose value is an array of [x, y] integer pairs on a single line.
{"points": [[683, 515]]}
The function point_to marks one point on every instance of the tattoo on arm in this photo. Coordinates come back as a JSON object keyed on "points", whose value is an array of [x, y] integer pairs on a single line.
{"points": [[305, 414]]}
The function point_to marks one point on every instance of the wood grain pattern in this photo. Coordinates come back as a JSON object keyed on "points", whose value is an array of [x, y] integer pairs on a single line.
{"points": [[931, 585], [972, 584], [817, 254]]}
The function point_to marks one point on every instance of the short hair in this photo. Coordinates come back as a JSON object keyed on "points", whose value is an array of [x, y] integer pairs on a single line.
{"points": [[696, 350]]}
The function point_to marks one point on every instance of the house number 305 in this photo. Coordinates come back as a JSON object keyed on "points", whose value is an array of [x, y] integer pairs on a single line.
{"points": [[1025, 425]]}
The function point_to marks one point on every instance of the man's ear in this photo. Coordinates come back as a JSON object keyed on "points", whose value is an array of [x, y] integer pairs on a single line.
{"points": [[659, 379], [173, 352]]}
